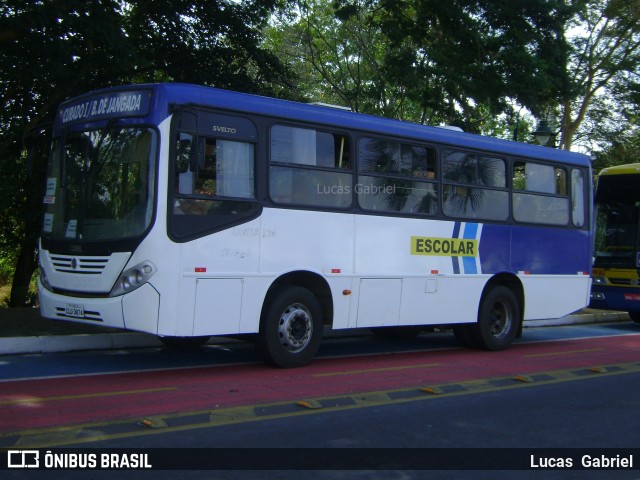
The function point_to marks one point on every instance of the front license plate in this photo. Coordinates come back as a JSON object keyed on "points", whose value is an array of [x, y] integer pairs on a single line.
{"points": [[73, 310]]}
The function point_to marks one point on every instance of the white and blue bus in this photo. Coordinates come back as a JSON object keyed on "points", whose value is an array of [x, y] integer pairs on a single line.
{"points": [[188, 211]]}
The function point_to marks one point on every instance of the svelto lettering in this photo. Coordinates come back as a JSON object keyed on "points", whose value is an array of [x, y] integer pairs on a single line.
{"points": [[444, 247]]}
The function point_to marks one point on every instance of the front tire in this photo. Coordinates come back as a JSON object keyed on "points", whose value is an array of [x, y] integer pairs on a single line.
{"points": [[499, 319], [290, 328]]}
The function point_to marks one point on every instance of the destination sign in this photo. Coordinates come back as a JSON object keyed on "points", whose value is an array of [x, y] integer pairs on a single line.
{"points": [[129, 103]]}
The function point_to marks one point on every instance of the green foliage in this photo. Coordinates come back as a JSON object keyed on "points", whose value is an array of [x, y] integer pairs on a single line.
{"points": [[460, 62], [483, 65], [7, 261], [625, 149], [472, 63], [53, 50], [603, 67]]}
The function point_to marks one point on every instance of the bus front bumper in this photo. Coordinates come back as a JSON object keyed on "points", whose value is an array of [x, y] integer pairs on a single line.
{"points": [[137, 310]]}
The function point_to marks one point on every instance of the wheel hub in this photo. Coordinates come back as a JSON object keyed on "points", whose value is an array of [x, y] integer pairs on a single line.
{"points": [[500, 320], [295, 327]]}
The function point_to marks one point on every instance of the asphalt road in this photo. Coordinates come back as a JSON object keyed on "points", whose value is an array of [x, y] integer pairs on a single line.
{"points": [[561, 387]]}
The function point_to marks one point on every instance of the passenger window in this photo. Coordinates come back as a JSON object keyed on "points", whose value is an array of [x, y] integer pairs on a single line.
{"points": [[534, 177], [540, 194], [310, 167], [220, 168], [577, 197], [214, 184], [303, 146], [471, 169], [474, 186], [396, 159], [396, 177]]}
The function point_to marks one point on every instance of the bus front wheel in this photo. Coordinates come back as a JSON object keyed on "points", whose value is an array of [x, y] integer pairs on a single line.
{"points": [[498, 319], [290, 328]]}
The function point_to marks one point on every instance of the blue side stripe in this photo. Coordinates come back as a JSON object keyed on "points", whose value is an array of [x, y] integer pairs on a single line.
{"points": [[455, 260], [469, 263]]}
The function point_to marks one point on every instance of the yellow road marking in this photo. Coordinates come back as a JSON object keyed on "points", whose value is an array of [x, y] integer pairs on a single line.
{"points": [[33, 399], [372, 370], [568, 352], [127, 428]]}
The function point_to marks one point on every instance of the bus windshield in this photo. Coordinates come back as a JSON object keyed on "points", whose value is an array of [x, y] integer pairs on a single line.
{"points": [[100, 184], [617, 214]]}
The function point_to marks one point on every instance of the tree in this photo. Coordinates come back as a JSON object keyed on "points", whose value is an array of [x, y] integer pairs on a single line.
{"points": [[460, 62], [52, 50], [623, 149], [49, 51], [337, 61], [476, 56], [206, 42], [603, 65]]}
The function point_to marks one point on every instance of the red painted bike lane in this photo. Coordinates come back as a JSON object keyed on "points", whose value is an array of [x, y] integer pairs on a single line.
{"points": [[42, 403]]}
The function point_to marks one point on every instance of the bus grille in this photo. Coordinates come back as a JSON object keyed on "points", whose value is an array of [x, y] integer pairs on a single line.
{"points": [[79, 265]]}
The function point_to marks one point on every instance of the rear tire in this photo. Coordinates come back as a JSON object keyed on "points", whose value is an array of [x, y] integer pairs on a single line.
{"points": [[499, 319], [290, 328]]}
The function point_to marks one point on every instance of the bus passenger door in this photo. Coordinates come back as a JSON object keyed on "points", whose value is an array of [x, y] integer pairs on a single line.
{"points": [[379, 302]]}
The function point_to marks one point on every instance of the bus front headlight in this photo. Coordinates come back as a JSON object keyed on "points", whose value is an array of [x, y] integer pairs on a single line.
{"points": [[599, 280], [44, 281], [133, 278]]}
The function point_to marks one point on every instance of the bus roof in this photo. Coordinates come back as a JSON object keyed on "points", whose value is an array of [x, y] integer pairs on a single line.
{"points": [[187, 94], [629, 169]]}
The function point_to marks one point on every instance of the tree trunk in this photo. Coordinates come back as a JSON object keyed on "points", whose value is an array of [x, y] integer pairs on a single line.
{"points": [[25, 266], [28, 257], [36, 145]]}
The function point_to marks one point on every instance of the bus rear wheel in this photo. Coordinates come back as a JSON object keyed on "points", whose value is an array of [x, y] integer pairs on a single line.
{"points": [[498, 319], [290, 328]]}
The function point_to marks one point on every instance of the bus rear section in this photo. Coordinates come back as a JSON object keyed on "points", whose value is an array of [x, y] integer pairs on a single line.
{"points": [[616, 268]]}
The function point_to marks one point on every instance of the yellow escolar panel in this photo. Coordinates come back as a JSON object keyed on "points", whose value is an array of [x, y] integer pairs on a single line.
{"points": [[444, 247]]}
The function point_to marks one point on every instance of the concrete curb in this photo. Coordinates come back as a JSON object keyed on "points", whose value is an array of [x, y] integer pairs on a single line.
{"points": [[578, 319], [69, 343], [114, 341]]}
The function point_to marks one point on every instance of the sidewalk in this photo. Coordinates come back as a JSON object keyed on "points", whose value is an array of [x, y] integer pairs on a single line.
{"points": [[23, 330]]}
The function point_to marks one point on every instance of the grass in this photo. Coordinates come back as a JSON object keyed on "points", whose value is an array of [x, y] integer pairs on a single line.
{"points": [[5, 291]]}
